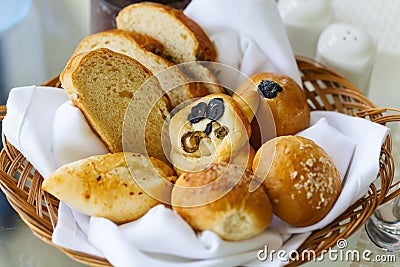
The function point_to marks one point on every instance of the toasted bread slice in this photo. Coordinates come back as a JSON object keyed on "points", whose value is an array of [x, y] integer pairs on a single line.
{"points": [[121, 187], [140, 47], [121, 99]]}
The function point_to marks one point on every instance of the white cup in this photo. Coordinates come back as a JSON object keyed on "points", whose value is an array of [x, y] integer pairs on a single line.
{"points": [[304, 21], [348, 50]]}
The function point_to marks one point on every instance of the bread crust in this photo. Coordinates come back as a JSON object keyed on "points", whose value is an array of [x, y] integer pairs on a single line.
{"points": [[106, 185], [289, 108], [144, 49], [112, 131], [301, 179], [224, 203], [205, 49]]}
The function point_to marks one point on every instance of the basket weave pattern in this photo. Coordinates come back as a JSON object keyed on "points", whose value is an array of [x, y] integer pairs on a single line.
{"points": [[325, 90]]}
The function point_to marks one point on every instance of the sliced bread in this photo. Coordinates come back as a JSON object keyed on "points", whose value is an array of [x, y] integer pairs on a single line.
{"points": [[121, 99], [135, 45], [183, 39]]}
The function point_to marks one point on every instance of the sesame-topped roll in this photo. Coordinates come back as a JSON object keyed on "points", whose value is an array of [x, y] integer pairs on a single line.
{"points": [[301, 179]]}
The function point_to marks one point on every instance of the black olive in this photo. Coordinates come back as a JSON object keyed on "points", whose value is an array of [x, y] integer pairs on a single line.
{"points": [[208, 129], [191, 141], [197, 113], [215, 109], [221, 132], [269, 89]]}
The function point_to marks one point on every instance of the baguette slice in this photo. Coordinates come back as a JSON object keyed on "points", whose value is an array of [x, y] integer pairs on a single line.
{"points": [[105, 85], [183, 39], [121, 187], [140, 47]]}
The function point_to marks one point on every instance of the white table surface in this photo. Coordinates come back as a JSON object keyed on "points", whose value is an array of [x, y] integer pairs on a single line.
{"points": [[64, 23]]}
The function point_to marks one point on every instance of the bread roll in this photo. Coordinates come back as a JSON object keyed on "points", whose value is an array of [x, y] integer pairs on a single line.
{"points": [[121, 187], [118, 95], [284, 98], [198, 142], [301, 179], [244, 157], [218, 199]]}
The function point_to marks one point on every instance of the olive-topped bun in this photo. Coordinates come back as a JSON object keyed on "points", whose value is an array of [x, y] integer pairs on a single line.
{"points": [[211, 129], [285, 98]]}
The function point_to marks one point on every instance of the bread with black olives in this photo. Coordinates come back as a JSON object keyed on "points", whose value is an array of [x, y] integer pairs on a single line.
{"points": [[281, 100], [211, 129]]}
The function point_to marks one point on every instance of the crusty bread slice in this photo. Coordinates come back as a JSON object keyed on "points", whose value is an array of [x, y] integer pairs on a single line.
{"points": [[140, 47], [122, 104], [121, 187], [196, 143], [183, 38]]}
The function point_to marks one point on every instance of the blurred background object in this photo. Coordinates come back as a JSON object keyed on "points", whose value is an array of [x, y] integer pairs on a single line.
{"points": [[304, 21], [39, 45], [350, 51], [380, 20]]}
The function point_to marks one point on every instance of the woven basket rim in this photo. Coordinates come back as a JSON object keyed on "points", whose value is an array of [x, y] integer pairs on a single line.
{"points": [[38, 209]]}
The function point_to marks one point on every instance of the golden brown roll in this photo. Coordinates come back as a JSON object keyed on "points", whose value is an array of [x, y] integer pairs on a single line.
{"points": [[301, 179], [218, 199], [121, 187], [285, 98], [244, 157]]}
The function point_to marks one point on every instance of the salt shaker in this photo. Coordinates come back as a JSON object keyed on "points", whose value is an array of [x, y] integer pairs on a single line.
{"points": [[304, 21], [348, 50]]}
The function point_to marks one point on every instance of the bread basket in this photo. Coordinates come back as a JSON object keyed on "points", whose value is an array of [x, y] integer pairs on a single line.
{"points": [[325, 90]]}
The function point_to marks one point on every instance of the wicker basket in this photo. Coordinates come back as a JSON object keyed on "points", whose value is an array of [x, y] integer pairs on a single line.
{"points": [[325, 90]]}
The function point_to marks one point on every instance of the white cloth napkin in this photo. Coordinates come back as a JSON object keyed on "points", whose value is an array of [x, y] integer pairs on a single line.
{"points": [[29, 122], [248, 35], [73, 139]]}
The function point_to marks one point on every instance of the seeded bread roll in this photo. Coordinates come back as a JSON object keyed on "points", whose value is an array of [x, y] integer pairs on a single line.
{"points": [[102, 83], [280, 96], [218, 199], [172, 80], [121, 187], [301, 179], [211, 129]]}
